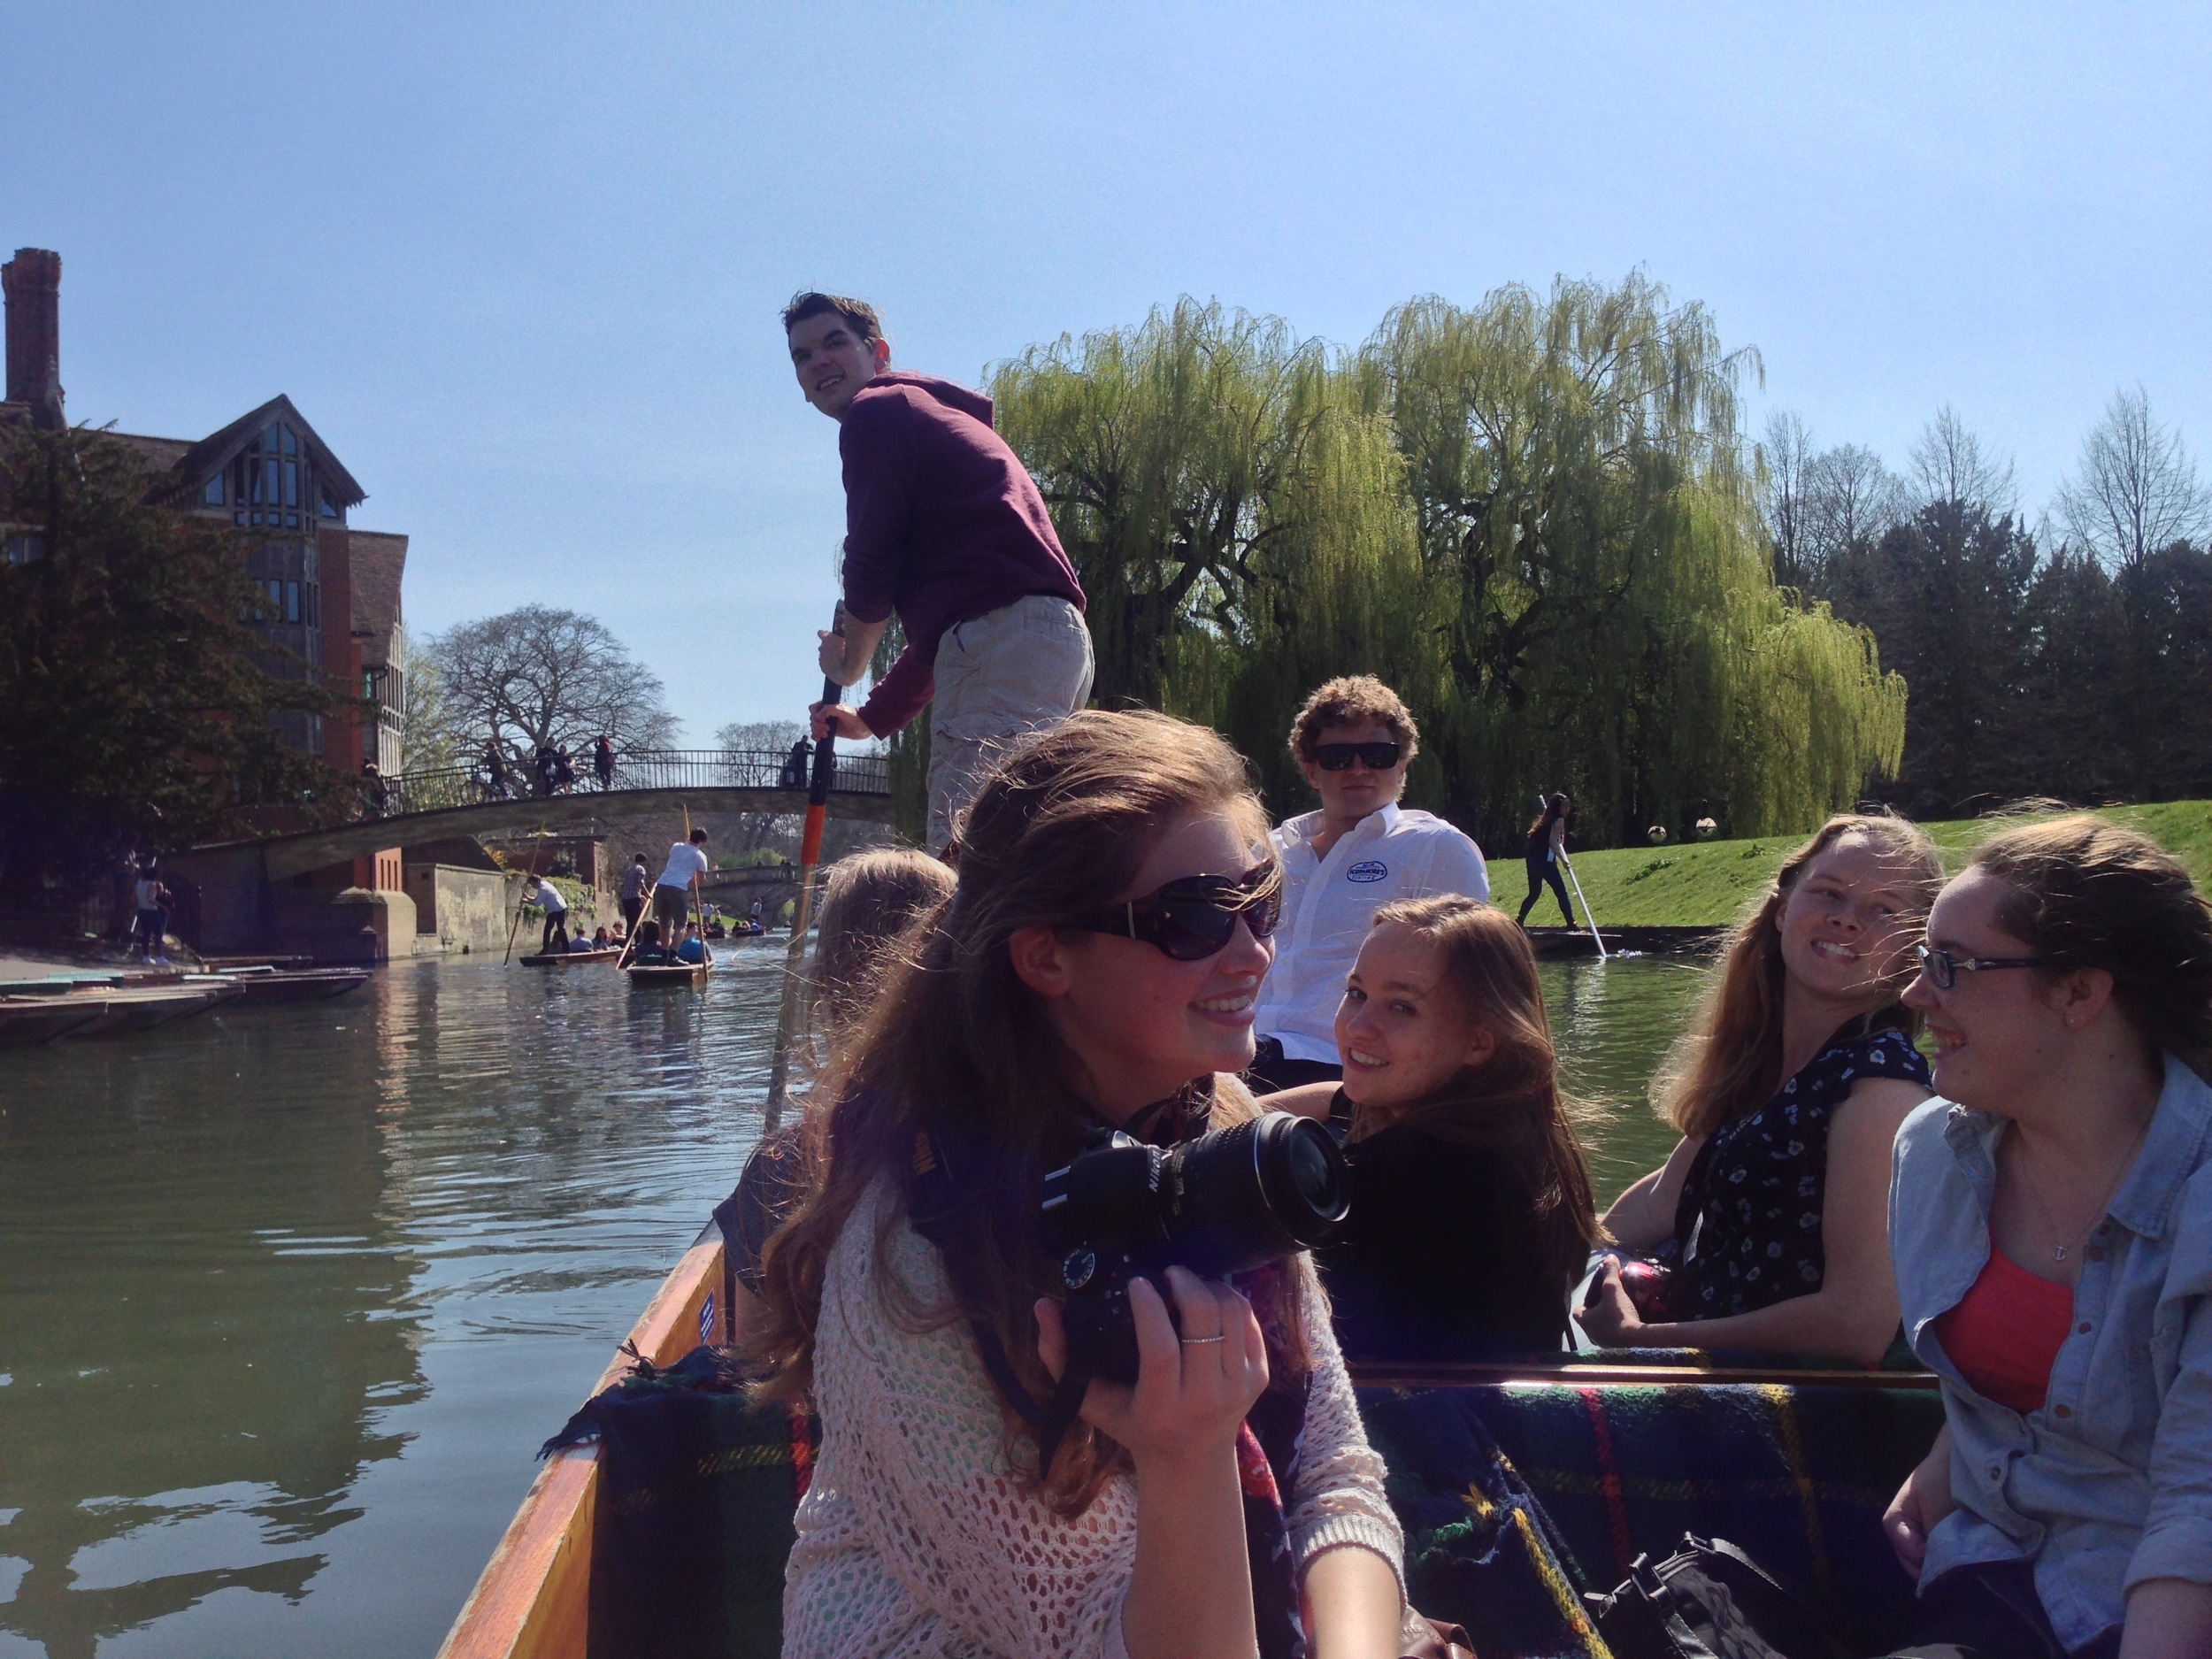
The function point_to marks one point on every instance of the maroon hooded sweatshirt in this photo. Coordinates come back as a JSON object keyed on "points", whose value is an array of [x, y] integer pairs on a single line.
{"points": [[943, 523]]}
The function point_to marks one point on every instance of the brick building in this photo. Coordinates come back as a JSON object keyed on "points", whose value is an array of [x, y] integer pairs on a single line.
{"points": [[333, 591]]}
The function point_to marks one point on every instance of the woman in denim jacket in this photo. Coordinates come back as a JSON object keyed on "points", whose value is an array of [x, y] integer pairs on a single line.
{"points": [[2051, 1222]]}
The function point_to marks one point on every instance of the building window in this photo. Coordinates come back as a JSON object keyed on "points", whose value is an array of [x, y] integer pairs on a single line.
{"points": [[291, 602], [26, 549], [213, 495]]}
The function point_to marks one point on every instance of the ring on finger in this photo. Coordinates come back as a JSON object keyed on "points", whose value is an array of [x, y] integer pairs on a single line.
{"points": [[1200, 1341]]}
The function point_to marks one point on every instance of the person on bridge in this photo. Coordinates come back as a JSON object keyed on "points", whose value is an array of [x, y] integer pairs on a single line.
{"points": [[548, 897], [671, 896], [635, 881], [943, 525], [602, 760], [794, 766], [495, 770]]}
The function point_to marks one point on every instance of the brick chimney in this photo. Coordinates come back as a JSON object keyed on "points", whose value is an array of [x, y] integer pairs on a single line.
{"points": [[33, 283]]}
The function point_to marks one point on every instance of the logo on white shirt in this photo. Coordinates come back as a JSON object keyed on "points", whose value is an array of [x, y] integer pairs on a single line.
{"points": [[1372, 869]]}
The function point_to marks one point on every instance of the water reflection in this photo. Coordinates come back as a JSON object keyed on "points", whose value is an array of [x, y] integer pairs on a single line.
{"points": [[1611, 1023], [289, 1297]]}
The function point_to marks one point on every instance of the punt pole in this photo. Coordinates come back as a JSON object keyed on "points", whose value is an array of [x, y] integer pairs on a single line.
{"points": [[794, 960]]}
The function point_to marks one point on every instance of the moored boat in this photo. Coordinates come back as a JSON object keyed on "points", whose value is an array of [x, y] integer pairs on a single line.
{"points": [[43, 1018], [295, 984], [139, 1007], [568, 958], [1601, 1458]]}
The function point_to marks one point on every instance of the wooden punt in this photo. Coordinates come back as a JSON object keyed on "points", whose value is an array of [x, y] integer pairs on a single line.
{"points": [[296, 985], [140, 1008], [42, 1018], [568, 958], [667, 973], [533, 1600]]}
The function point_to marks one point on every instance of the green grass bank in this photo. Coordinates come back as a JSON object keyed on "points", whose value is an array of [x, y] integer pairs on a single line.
{"points": [[1703, 882]]}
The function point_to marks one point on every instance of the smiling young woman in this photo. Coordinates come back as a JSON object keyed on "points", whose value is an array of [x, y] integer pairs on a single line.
{"points": [[1471, 1216], [1769, 1221], [2052, 1225], [1094, 968]]}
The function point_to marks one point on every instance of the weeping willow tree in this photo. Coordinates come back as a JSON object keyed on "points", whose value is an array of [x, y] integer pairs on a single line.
{"points": [[1586, 515], [1533, 518]]}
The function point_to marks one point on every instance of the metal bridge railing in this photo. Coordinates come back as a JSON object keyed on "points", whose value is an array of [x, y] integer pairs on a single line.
{"points": [[648, 769]]}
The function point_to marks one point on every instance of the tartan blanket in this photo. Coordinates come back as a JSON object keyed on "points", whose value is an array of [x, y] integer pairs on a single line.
{"points": [[1516, 1497], [1797, 1474]]}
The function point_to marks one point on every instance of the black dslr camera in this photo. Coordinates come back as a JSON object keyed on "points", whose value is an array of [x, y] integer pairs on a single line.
{"points": [[1226, 1202]]}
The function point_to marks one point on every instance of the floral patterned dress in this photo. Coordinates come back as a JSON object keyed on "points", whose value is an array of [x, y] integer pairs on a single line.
{"points": [[1747, 1230]]}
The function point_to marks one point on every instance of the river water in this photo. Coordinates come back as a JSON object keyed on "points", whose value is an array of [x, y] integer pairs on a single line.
{"points": [[289, 1297]]}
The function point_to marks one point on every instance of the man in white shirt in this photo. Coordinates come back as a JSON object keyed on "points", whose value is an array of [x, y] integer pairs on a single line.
{"points": [[548, 898], [1353, 740], [672, 895]]}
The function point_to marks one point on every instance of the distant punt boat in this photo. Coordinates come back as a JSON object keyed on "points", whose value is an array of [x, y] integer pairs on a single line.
{"points": [[651, 973], [568, 958]]}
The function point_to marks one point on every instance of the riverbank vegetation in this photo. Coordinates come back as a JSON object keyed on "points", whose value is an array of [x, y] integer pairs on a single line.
{"points": [[2071, 658], [1709, 882], [139, 695], [1536, 518]]}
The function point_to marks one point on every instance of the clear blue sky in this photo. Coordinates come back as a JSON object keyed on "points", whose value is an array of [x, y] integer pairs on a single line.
{"points": [[520, 265]]}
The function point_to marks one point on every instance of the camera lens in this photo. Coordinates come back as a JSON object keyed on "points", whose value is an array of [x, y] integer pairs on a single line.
{"points": [[1255, 1194], [1317, 1175]]}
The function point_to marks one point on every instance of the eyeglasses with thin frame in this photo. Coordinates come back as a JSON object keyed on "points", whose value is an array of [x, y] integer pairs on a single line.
{"points": [[1340, 757], [1943, 969], [1194, 918]]}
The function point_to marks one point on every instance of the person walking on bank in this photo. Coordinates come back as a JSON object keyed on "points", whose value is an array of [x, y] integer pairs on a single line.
{"points": [[602, 760], [1547, 847], [635, 881], [672, 896], [945, 526], [1353, 740], [152, 900], [548, 897]]}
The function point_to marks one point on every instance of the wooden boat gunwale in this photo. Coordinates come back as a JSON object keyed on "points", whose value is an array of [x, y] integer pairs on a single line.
{"points": [[568, 958], [533, 1599]]}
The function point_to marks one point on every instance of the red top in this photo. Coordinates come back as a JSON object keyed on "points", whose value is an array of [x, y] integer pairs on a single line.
{"points": [[943, 523], [2006, 1331]]}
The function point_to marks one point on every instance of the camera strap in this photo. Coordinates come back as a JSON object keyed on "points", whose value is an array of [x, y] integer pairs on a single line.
{"points": [[933, 1201]]}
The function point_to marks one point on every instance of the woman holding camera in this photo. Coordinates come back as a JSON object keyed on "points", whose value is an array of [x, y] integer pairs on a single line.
{"points": [[1094, 969], [1471, 1216], [2052, 1222], [1770, 1218]]}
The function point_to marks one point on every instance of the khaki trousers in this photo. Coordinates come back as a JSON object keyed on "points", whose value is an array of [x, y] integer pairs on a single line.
{"points": [[1000, 677]]}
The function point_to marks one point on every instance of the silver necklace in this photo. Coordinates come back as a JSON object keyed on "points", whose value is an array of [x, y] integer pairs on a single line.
{"points": [[2050, 1219]]}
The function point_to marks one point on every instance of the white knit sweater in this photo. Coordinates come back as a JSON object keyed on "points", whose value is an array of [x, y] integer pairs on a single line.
{"points": [[914, 1537]]}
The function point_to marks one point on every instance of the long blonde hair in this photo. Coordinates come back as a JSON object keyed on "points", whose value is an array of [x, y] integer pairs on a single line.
{"points": [[1729, 1063], [956, 1043]]}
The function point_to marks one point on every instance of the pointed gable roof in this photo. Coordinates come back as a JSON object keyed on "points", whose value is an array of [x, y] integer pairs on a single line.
{"points": [[216, 451]]}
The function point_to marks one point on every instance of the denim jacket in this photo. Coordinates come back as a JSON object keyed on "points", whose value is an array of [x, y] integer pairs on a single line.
{"points": [[2110, 1483]]}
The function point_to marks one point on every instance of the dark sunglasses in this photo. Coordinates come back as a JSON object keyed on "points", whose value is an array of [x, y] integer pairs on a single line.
{"points": [[1943, 969], [1340, 757], [1196, 918]]}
